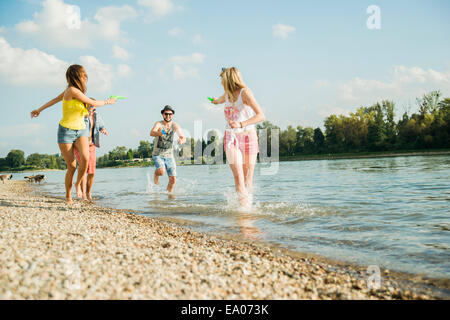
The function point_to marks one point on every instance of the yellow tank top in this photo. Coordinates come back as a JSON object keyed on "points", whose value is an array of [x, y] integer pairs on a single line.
{"points": [[74, 112]]}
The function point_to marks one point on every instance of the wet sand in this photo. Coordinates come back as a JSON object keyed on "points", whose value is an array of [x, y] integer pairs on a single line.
{"points": [[49, 250]]}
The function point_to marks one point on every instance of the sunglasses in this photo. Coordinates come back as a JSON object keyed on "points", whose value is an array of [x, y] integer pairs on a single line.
{"points": [[168, 114]]}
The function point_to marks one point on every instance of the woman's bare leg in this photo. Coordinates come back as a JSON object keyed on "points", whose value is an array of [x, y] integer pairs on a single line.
{"points": [[82, 145], [69, 158], [234, 158], [249, 168]]}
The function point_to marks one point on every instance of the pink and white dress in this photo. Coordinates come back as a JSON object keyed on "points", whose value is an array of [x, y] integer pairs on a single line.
{"points": [[245, 139]]}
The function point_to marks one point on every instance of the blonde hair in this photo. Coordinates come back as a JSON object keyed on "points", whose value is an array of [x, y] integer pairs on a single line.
{"points": [[232, 81]]}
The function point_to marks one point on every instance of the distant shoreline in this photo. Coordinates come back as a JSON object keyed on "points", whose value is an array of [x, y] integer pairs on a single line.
{"points": [[338, 156]]}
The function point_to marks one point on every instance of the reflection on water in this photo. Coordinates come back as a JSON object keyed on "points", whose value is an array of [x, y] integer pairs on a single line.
{"points": [[391, 212]]}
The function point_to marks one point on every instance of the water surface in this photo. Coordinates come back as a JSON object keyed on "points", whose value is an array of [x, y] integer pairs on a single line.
{"points": [[390, 212]]}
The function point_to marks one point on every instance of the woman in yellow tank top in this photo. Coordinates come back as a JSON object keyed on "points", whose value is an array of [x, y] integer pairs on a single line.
{"points": [[73, 131]]}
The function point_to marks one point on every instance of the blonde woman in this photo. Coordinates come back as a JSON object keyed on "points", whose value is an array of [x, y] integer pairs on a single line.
{"points": [[242, 112]]}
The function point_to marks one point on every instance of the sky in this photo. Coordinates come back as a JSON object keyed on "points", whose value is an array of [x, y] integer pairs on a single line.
{"points": [[303, 60]]}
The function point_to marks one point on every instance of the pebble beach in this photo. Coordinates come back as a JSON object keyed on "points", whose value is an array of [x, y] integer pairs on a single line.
{"points": [[49, 250]]}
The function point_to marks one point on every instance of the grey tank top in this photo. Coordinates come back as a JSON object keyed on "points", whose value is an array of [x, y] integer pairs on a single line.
{"points": [[163, 146]]}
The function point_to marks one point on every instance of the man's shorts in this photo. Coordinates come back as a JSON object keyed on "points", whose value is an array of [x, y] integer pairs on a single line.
{"points": [[167, 163], [92, 158]]}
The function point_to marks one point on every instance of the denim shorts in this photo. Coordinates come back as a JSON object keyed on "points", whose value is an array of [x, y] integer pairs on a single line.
{"points": [[66, 135], [168, 163]]}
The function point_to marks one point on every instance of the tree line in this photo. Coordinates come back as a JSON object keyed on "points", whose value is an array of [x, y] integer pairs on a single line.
{"points": [[15, 160], [372, 128]]}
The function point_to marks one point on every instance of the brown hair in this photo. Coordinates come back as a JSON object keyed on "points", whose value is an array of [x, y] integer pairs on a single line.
{"points": [[73, 76], [232, 81]]}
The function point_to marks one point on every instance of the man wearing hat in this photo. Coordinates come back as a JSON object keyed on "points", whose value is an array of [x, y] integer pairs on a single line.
{"points": [[164, 131]]}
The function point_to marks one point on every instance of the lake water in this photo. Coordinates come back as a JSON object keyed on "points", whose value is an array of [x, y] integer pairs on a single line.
{"points": [[390, 212]]}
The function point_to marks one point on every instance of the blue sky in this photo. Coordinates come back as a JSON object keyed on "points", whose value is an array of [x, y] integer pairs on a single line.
{"points": [[304, 60]]}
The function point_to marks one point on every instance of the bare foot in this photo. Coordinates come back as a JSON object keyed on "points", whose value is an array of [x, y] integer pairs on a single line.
{"points": [[171, 196], [69, 201], [89, 197], [79, 191], [244, 201]]}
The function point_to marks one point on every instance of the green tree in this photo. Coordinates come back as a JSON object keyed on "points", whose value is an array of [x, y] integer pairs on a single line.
{"points": [[288, 140], [334, 133], [376, 128], [319, 140], [118, 153], [15, 158], [34, 160], [144, 149], [304, 140], [130, 154], [266, 139], [390, 128]]}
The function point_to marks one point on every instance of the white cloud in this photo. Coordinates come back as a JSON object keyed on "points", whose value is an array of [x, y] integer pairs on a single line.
{"points": [[181, 67], [36, 68], [123, 70], [61, 24], [2, 29], [120, 53], [100, 75], [30, 67], [282, 31], [110, 18], [159, 8], [174, 32], [404, 83]]}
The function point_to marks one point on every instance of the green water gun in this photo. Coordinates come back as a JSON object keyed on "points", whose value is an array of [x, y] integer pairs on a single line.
{"points": [[210, 99], [117, 97]]}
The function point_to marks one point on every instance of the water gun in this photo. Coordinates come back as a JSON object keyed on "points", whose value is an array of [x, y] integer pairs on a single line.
{"points": [[117, 97], [210, 99], [163, 132]]}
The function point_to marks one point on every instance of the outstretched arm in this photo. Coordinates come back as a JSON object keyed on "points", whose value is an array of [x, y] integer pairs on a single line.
{"points": [[35, 113], [181, 137], [156, 130], [219, 100], [77, 94]]}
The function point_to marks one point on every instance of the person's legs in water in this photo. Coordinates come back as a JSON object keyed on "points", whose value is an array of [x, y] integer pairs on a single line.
{"points": [[69, 158], [171, 172], [159, 169], [82, 145], [234, 158], [249, 168], [249, 148]]}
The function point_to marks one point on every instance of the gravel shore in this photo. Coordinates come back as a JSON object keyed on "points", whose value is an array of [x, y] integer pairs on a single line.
{"points": [[49, 250]]}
